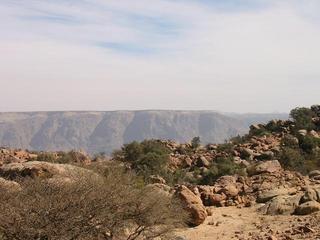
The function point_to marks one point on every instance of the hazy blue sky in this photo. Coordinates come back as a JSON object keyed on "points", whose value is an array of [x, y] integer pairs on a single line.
{"points": [[227, 55]]}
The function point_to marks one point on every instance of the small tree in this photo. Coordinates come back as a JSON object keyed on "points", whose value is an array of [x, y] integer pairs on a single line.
{"points": [[195, 142], [132, 151], [146, 158], [303, 118]]}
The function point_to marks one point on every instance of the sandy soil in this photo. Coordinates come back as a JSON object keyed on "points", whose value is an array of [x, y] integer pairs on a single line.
{"points": [[246, 223]]}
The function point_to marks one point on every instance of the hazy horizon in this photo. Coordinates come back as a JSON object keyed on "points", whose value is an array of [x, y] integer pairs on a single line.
{"points": [[242, 56], [145, 110]]}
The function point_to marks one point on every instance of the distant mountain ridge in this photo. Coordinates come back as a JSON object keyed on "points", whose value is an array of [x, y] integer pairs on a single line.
{"points": [[106, 131]]}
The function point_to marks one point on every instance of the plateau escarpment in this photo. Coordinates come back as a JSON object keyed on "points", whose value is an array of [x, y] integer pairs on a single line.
{"points": [[106, 131]]}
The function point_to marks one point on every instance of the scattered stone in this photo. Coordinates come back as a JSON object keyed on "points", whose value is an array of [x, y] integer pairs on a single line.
{"points": [[193, 205], [202, 162], [267, 195], [314, 174], [314, 134], [303, 132], [309, 195], [284, 205], [308, 208], [272, 166], [157, 179], [217, 199]]}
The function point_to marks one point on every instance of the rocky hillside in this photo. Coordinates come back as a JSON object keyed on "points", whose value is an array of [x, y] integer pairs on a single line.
{"points": [[263, 185], [105, 131]]}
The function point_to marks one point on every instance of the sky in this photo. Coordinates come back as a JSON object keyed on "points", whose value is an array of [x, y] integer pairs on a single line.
{"points": [[225, 55]]}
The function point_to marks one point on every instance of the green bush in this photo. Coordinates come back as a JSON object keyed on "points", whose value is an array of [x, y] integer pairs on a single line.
{"points": [[179, 176], [273, 126], [259, 132], [291, 158], [195, 142], [304, 157], [303, 118], [290, 141], [132, 151], [221, 167], [308, 143], [313, 160], [149, 157], [226, 147], [151, 163]]}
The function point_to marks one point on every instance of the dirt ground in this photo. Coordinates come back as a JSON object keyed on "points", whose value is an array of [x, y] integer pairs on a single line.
{"points": [[248, 224]]}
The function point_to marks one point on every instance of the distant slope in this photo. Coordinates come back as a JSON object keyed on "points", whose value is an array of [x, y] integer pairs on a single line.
{"points": [[107, 131]]}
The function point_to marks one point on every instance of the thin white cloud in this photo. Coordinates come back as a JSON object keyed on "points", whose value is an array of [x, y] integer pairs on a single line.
{"points": [[260, 60]]}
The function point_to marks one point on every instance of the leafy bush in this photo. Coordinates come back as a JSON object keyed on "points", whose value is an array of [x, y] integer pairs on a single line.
{"points": [[292, 159], [290, 141], [132, 151], [226, 147], [151, 163], [273, 126], [303, 118], [302, 157], [308, 143], [179, 176], [149, 157], [221, 167], [259, 132]]}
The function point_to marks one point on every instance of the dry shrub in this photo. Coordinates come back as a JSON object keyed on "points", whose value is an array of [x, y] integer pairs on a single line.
{"points": [[109, 206]]}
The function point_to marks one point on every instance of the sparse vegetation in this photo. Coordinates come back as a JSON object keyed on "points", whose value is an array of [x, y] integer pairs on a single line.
{"points": [[300, 152], [109, 206], [195, 142], [227, 147], [308, 144], [291, 158], [70, 157], [46, 157], [303, 118], [221, 167], [131, 196], [149, 157]]}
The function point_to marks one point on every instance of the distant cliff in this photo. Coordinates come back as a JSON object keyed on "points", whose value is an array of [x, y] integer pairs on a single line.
{"points": [[107, 131]]}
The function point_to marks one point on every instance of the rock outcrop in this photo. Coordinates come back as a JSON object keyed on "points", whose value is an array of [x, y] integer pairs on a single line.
{"points": [[193, 204], [35, 169]]}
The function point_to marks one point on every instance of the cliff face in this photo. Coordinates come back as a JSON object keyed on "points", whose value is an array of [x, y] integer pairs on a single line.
{"points": [[107, 131]]}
